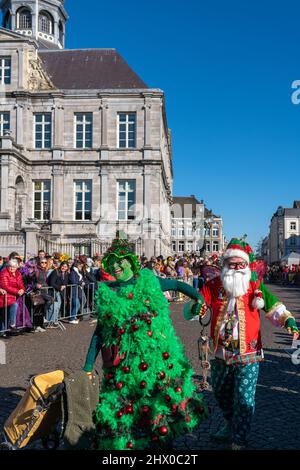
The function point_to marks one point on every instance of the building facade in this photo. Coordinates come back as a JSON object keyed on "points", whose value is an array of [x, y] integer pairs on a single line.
{"points": [[195, 229], [85, 146], [284, 236]]}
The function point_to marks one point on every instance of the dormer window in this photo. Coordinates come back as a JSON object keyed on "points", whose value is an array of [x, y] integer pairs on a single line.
{"points": [[45, 23], [24, 19]]}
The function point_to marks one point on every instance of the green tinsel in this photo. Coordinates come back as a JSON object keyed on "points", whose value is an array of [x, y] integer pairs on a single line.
{"points": [[132, 305]]}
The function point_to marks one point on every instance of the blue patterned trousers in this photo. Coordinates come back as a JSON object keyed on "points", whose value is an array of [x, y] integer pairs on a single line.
{"points": [[234, 388]]}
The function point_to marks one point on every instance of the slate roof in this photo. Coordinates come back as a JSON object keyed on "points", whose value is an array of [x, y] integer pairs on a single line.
{"points": [[89, 69]]}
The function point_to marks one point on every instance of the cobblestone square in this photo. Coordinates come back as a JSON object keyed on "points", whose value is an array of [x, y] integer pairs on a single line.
{"points": [[276, 423]]}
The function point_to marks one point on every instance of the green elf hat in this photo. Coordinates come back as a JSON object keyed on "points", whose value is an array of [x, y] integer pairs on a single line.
{"points": [[238, 247], [121, 249]]}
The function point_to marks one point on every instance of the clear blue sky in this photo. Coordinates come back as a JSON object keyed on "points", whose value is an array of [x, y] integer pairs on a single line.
{"points": [[226, 69]]}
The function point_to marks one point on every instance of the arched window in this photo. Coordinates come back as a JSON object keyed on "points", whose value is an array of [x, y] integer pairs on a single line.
{"points": [[24, 19], [61, 33], [7, 20], [45, 23]]}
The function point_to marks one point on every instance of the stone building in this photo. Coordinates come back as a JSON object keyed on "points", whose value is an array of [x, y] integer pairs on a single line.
{"points": [[284, 236], [85, 146], [195, 228]]}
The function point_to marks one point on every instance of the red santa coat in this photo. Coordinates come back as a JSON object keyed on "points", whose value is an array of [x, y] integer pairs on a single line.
{"points": [[11, 284], [249, 320]]}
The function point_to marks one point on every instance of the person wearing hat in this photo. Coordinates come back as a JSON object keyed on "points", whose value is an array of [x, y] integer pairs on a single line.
{"points": [[235, 299], [147, 395]]}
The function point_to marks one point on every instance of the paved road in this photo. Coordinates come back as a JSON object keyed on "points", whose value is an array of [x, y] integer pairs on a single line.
{"points": [[277, 421]]}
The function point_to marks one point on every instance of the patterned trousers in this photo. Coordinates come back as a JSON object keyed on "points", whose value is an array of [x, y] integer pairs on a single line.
{"points": [[234, 388]]}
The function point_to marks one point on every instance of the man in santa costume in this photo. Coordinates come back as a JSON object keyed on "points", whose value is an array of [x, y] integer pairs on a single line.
{"points": [[235, 299]]}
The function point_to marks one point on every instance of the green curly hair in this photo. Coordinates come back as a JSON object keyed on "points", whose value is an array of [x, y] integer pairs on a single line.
{"points": [[119, 250]]}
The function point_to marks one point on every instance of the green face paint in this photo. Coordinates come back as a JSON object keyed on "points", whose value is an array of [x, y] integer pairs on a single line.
{"points": [[121, 269]]}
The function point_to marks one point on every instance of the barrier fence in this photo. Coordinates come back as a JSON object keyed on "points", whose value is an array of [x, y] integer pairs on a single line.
{"points": [[48, 307]]}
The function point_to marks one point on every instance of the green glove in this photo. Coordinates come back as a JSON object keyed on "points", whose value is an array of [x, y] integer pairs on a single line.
{"points": [[194, 309], [291, 325]]}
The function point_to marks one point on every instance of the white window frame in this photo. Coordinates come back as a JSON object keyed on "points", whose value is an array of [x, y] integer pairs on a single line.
{"points": [[3, 121], [42, 191], [181, 231], [214, 249], [189, 231], [3, 68], [84, 191], [45, 15], [127, 123], [215, 232], [43, 124], [181, 243], [294, 224], [174, 246], [173, 231], [126, 198], [25, 15], [84, 124], [190, 245]]}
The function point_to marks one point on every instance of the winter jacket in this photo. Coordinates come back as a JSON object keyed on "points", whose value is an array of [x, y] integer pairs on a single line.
{"points": [[57, 279], [11, 283], [75, 280]]}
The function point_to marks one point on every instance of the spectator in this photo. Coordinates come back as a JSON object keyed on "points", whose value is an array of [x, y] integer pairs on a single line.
{"points": [[41, 285], [58, 280], [12, 283], [76, 282]]}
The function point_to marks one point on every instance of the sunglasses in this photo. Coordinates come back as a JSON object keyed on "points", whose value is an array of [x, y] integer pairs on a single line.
{"points": [[241, 265]]}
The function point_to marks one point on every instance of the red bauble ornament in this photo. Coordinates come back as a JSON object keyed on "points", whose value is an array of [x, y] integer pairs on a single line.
{"points": [[162, 375], [154, 438], [109, 376], [119, 414], [134, 328], [130, 295], [129, 445], [171, 366], [119, 385], [178, 389], [145, 409], [201, 409], [133, 320], [143, 384], [149, 322], [166, 356], [121, 331], [150, 334], [187, 419], [143, 366], [147, 301], [163, 430], [129, 409], [168, 398], [126, 370]]}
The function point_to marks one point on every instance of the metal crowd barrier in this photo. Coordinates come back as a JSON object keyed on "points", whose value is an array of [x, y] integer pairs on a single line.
{"points": [[73, 302]]}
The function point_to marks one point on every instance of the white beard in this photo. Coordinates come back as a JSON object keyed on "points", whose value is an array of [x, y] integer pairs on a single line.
{"points": [[236, 282]]}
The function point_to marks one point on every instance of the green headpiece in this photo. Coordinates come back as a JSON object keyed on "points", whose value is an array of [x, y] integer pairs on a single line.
{"points": [[121, 249]]}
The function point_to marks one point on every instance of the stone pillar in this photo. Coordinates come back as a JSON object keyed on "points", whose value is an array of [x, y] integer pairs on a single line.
{"points": [[104, 134], [20, 53], [57, 193], [58, 136], [31, 242], [19, 124], [147, 129], [4, 183]]}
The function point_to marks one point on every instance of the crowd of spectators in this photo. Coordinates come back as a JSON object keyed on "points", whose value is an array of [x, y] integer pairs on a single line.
{"points": [[45, 290], [283, 274]]}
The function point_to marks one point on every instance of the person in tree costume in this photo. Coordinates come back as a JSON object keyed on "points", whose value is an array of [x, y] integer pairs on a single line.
{"points": [[235, 299], [147, 395]]}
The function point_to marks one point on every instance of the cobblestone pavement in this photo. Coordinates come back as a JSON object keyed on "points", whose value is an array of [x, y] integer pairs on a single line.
{"points": [[276, 423]]}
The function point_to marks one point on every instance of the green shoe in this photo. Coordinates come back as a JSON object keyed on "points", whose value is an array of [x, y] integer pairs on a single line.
{"points": [[224, 433]]}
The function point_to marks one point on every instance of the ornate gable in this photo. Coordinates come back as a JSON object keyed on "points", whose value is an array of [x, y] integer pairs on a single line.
{"points": [[37, 77]]}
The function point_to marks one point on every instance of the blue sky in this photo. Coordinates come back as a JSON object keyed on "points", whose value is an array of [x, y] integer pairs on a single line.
{"points": [[226, 69]]}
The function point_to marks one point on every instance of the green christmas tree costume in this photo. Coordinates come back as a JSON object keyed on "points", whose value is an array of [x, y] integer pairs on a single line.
{"points": [[147, 395]]}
